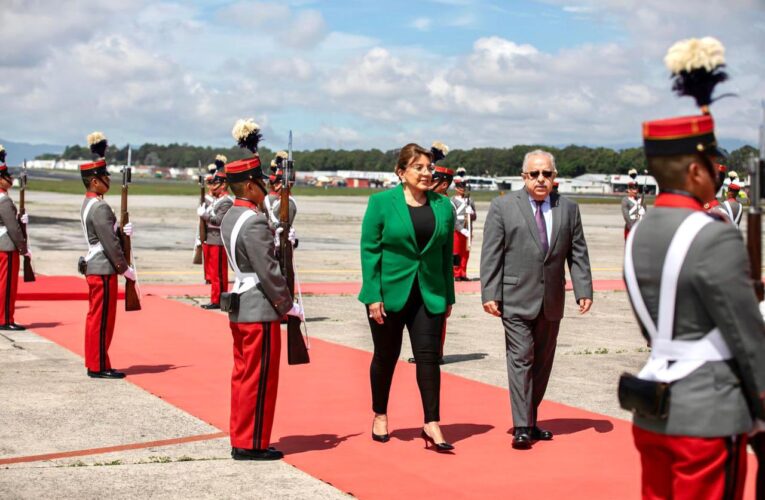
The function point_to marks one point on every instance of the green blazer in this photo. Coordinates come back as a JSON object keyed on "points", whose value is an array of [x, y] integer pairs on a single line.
{"points": [[391, 259]]}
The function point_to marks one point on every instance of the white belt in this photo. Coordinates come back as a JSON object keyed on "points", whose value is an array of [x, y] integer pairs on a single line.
{"points": [[94, 250], [243, 281], [3, 231], [670, 359]]}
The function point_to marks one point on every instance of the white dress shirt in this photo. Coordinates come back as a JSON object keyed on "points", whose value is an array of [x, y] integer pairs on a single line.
{"points": [[546, 212]]}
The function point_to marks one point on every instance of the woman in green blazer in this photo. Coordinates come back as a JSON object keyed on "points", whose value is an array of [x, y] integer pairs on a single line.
{"points": [[406, 263]]}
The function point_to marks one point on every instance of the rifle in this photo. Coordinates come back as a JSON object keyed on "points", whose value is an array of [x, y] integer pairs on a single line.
{"points": [[468, 217], [29, 274], [202, 226], [132, 300], [297, 353]]}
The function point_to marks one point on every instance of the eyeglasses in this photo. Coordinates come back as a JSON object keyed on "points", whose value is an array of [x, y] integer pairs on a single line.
{"points": [[421, 168], [535, 173]]}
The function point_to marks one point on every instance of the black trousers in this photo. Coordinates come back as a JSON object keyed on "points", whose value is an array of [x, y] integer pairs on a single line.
{"points": [[425, 336]]}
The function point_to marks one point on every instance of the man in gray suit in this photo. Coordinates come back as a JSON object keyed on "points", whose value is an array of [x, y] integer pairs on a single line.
{"points": [[528, 236]]}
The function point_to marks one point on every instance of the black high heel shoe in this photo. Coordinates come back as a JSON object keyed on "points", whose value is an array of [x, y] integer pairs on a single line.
{"points": [[380, 438], [440, 447]]}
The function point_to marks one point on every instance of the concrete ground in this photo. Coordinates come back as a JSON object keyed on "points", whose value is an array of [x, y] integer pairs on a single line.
{"points": [[50, 406]]}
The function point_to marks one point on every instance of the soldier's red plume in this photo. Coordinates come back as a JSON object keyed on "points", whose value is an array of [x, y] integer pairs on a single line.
{"points": [[247, 134], [697, 67], [98, 144]]}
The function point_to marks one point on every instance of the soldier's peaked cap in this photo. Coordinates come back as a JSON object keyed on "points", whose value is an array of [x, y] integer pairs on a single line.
{"points": [[94, 168], [241, 170], [679, 136]]}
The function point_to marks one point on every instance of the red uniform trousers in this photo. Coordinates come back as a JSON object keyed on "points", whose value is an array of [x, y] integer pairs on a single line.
{"points": [[9, 274], [461, 255], [206, 263], [99, 325], [626, 232], [218, 272], [689, 468], [254, 381]]}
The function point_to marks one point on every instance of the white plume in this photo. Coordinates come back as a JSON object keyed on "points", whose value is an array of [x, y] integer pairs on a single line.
{"points": [[442, 147], [221, 158], [1, 148], [95, 138], [693, 53], [243, 128], [282, 154]]}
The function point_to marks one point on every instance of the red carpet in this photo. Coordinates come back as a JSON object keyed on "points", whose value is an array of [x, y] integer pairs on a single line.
{"points": [[183, 355], [56, 288], [343, 288]]}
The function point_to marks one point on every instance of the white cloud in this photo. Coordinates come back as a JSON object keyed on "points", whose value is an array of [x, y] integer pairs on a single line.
{"points": [[298, 29], [422, 23]]}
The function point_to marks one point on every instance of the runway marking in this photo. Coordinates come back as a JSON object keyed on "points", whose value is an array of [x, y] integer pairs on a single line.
{"points": [[111, 449]]}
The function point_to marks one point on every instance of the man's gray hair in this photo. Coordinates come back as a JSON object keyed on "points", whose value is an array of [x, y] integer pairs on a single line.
{"points": [[538, 152]]}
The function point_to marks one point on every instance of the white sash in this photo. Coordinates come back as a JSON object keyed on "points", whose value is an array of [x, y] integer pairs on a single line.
{"points": [[271, 209], [215, 204], [93, 250], [735, 218], [3, 229], [686, 355], [243, 281]]}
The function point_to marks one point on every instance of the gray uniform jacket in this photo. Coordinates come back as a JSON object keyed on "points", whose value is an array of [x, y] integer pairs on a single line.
{"points": [[214, 217], [713, 290], [514, 270], [629, 212], [459, 215], [101, 228], [275, 201], [254, 253], [13, 240]]}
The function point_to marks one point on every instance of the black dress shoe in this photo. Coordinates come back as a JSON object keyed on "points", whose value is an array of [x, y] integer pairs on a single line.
{"points": [[538, 434], [521, 438], [212, 306], [245, 454], [12, 327], [106, 374]]}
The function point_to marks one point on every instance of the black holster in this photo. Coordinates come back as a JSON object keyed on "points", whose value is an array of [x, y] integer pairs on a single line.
{"points": [[646, 398], [82, 266], [229, 302]]}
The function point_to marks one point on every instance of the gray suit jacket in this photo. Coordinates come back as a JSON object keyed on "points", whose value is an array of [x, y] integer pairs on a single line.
{"points": [[100, 227], [13, 240], [514, 270], [254, 253], [214, 218], [713, 290]]}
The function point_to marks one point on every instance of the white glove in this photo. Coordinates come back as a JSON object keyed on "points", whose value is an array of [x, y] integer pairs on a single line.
{"points": [[297, 311], [641, 212], [197, 242], [24, 219], [464, 232], [129, 273], [201, 210], [469, 210], [277, 237], [127, 229], [292, 236]]}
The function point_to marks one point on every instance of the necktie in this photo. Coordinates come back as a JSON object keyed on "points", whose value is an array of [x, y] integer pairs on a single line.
{"points": [[542, 227]]}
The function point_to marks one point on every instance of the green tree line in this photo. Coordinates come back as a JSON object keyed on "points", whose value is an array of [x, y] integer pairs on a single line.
{"points": [[571, 160]]}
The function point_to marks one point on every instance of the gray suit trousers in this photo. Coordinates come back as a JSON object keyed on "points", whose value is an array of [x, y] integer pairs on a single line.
{"points": [[530, 348]]}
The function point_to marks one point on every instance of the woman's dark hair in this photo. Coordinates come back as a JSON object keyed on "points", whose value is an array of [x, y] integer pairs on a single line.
{"points": [[409, 152]]}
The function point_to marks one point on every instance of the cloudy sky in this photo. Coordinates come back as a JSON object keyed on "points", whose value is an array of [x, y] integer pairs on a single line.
{"points": [[363, 73]]}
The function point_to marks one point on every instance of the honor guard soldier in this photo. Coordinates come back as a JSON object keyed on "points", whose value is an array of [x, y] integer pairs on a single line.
{"points": [[257, 301], [732, 206], [275, 182], [632, 207], [13, 244], [695, 399], [103, 262], [713, 206], [209, 199], [217, 264], [463, 225]]}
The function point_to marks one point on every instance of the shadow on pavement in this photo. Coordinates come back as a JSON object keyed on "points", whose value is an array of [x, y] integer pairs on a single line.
{"points": [[562, 426]]}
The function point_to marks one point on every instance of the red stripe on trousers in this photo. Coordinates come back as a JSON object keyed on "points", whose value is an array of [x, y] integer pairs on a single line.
{"points": [[218, 272], [254, 383], [206, 262], [99, 324], [461, 249], [689, 468], [9, 281]]}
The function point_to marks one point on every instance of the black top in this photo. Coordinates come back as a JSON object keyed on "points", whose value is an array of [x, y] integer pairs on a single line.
{"points": [[424, 222]]}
